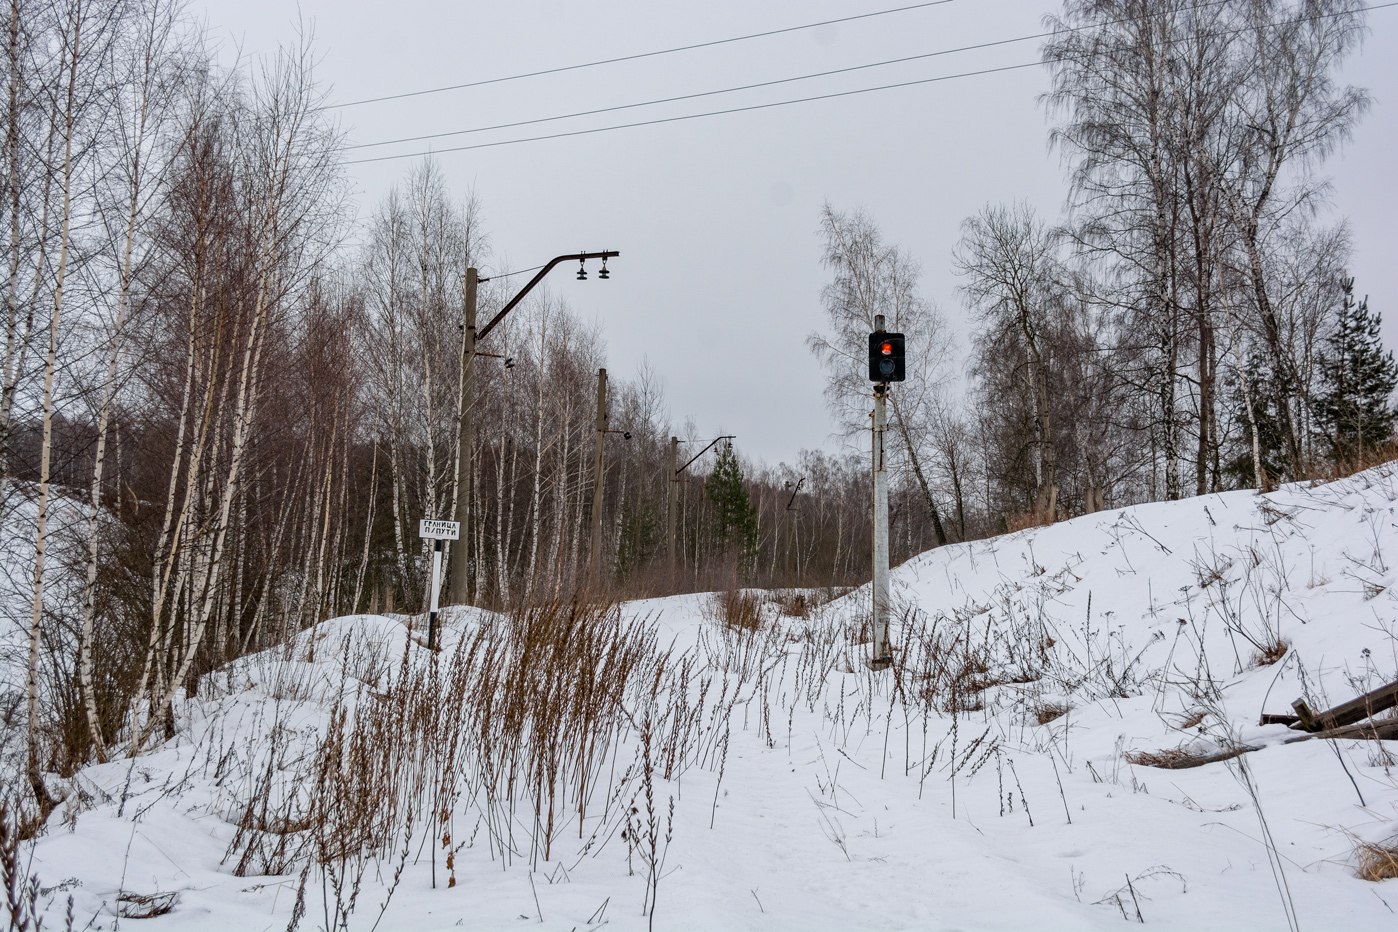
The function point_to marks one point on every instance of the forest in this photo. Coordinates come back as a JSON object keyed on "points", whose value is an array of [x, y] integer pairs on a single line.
{"points": [[220, 422]]}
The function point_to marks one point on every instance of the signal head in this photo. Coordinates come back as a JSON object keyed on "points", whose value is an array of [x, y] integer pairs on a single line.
{"points": [[886, 363]]}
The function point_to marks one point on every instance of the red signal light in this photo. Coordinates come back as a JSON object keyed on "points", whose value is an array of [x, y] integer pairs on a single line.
{"points": [[886, 357]]}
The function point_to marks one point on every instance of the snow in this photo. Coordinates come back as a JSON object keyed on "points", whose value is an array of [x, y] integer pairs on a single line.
{"points": [[1140, 620]]}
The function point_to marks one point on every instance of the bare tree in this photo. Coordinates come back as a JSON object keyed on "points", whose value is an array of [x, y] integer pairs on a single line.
{"points": [[1014, 280], [873, 278]]}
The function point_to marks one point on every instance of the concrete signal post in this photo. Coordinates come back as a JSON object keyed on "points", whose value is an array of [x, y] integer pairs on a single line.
{"points": [[436, 531], [885, 366]]}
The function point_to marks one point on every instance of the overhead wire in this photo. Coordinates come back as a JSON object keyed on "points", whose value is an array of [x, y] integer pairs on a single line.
{"points": [[636, 57], [730, 110], [696, 116], [726, 90]]}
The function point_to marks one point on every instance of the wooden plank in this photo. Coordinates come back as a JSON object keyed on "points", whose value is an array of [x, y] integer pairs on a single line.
{"points": [[1272, 718], [1380, 731], [1356, 710], [1305, 716]]}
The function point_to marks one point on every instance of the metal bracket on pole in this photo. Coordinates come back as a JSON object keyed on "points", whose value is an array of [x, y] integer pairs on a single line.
{"points": [[711, 445], [577, 256]]}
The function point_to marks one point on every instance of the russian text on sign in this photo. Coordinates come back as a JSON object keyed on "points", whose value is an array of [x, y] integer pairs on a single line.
{"points": [[439, 530]]}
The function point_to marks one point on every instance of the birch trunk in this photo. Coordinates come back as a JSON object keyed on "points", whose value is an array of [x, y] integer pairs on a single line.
{"points": [[36, 780]]}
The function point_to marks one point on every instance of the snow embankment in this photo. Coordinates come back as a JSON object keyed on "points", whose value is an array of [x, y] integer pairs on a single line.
{"points": [[654, 765]]}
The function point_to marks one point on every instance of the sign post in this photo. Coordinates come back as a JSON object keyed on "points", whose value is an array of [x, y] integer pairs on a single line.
{"points": [[436, 531]]}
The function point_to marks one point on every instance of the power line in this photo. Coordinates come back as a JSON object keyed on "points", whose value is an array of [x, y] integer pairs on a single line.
{"points": [[730, 110], [695, 116], [640, 55], [726, 90]]}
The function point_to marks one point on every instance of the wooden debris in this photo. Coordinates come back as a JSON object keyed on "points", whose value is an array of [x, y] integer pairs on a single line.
{"points": [[1356, 710], [1346, 713], [1374, 731]]}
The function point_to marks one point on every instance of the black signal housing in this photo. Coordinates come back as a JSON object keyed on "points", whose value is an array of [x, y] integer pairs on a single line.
{"points": [[886, 357]]}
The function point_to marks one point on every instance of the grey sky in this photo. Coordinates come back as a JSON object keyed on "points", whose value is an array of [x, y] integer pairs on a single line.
{"points": [[719, 277]]}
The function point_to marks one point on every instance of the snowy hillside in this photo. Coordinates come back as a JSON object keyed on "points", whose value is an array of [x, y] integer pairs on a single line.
{"points": [[657, 766]]}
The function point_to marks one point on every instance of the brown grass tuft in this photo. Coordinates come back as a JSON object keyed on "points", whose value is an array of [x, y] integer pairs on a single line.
{"points": [[1268, 654], [1046, 712], [794, 603], [736, 608], [1377, 862], [1182, 758]]}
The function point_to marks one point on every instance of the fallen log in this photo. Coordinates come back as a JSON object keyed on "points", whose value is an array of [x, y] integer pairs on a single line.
{"points": [[1348, 713], [1373, 731]]}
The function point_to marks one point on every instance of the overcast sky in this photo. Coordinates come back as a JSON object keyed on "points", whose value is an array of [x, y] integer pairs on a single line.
{"points": [[719, 277]]}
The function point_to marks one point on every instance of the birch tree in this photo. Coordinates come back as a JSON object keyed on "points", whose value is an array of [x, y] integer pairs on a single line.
{"points": [[873, 278]]}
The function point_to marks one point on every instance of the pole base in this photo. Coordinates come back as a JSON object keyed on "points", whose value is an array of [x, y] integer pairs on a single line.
{"points": [[880, 663]]}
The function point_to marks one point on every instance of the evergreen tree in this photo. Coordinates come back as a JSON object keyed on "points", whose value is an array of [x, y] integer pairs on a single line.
{"points": [[1354, 408], [1271, 442], [735, 520]]}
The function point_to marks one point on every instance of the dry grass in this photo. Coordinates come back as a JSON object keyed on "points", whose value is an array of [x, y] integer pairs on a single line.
{"points": [[794, 603], [1182, 758], [1193, 719], [736, 608], [1026, 519], [145, 905], [1377, 861], [1270, 653], [1046, 712], [1329, 471]]}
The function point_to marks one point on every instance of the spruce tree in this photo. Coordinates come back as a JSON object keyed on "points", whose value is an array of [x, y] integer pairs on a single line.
{"points": [[735, 520], [1271, 442], [1354, 408]]}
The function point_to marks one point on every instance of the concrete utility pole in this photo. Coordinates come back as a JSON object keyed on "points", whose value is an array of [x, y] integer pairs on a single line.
{"points": [[882, 656], [458, 586], [457, 571], [672, 494], [598, 476]]}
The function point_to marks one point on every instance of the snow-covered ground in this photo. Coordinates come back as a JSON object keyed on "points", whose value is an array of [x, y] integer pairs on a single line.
{"points": [[808, 791]]}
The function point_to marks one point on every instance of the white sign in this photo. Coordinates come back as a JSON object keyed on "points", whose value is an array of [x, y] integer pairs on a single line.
{"points": [[439, 530]]}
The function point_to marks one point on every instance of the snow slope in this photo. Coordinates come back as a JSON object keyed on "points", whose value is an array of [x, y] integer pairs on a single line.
{"points": [[828, 796]]}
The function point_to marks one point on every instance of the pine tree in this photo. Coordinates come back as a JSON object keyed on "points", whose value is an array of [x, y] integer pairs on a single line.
{"points": [[735, 520], [1354, 409]]}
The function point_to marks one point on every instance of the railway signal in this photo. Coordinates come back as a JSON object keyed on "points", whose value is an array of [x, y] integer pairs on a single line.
{"points": [[886, 357]]}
